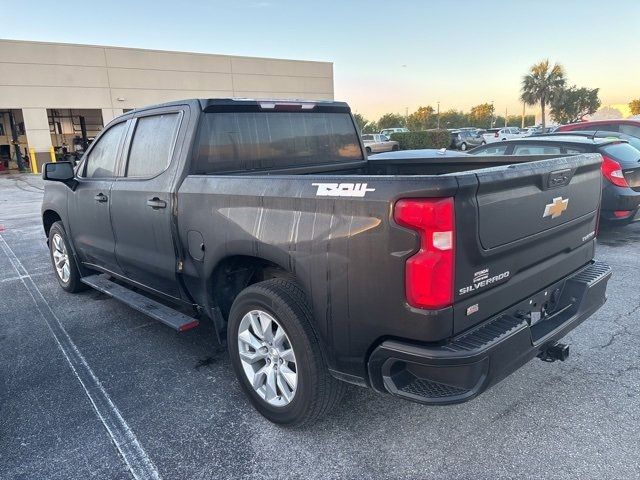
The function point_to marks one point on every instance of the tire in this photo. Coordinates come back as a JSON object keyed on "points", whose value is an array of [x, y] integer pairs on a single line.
{"points": [[463, 147], [315, 391], [483, 142], [368, 150], [395, 148], [66, 270]]}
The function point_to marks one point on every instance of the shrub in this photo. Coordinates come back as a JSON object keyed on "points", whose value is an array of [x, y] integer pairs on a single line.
{"points": [[425, 139]]}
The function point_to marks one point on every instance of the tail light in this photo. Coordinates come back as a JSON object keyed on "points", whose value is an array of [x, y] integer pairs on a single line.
{"points": [[429, 273], [612, 171]]}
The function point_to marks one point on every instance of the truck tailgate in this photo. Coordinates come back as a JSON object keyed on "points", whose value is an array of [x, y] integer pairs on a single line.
{"points": [[532, 224], [522, 200]]}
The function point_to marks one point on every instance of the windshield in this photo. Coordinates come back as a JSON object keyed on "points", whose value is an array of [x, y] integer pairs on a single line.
{"points": [[232, 141]]}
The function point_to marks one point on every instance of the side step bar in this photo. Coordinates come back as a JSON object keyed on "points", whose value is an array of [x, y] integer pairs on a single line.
{"points": [[156, 310]]}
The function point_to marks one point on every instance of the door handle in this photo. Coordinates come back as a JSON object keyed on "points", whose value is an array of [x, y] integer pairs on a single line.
{"points": [[101, 197], [156, 203]]}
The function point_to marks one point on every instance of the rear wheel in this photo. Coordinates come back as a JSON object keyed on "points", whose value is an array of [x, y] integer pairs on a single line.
{"points": [[276, 355], [463, 147], [64, 263], [395, 148], [368, 149], [483, 143]]}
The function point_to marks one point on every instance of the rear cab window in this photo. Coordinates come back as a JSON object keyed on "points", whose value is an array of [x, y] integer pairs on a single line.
{"points": [[263, 140]]}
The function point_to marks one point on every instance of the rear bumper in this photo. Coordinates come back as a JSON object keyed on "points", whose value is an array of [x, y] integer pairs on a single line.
{"points": [[616, 198], [473, 361]]}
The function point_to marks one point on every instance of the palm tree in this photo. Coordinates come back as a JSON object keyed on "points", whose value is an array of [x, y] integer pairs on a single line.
{"points": [[541, 84]]}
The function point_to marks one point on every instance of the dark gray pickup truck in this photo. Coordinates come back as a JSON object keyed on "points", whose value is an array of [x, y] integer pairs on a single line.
{"points": [[425, 275]]}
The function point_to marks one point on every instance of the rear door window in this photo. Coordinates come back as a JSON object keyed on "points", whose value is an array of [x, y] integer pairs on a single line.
{"points": [[492, 150], [531, 149], [152, 145], [605, 127], [574, 150], [632, 130], [101, 162]]}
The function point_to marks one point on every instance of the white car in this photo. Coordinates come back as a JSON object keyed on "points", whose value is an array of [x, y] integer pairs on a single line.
{"points": [[499, 134], [376, 143]]}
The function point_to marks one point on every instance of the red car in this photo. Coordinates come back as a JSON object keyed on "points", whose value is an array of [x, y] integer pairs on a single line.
{"points": [[627, 127]]}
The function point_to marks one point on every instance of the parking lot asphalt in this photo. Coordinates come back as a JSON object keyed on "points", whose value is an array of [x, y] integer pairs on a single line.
{"points": [[178, 398]]}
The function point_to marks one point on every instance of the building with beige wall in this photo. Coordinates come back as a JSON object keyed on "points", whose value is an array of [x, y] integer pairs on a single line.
{"points": [[54, 93]]}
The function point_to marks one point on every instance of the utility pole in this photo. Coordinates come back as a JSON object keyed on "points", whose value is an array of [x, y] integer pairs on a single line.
{"points": [[406, 116], [506, 115], [523, 107], [438, 102]]}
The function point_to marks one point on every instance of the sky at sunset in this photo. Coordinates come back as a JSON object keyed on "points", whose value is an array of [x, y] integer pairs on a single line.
{"points": [[387, 56]]}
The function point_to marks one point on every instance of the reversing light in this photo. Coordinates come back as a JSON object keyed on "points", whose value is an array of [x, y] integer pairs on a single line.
{"points": [[429, 273]]}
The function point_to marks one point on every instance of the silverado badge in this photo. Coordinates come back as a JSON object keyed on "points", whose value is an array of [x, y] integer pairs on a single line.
{"points": [[555, 208]]}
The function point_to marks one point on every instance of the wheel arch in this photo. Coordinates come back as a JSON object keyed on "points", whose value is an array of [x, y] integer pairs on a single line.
{"points": [[49, 217], [234, 273]]}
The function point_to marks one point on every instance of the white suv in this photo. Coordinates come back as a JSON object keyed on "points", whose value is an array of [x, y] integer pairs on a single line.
{"points": [[499, 134]]}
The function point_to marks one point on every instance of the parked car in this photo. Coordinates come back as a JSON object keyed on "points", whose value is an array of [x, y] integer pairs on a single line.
{"points": [[465, 139], [528, 131], [318, 266], [376, 143], [389, 131], [633, 141], [620, 166], [500, 134], [628, 127]]}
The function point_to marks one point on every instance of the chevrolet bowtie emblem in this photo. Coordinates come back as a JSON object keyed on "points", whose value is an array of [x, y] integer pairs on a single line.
{"points": [[555, 208]]}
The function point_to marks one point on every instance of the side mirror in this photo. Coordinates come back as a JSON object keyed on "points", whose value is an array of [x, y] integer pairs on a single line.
{"points": [[58, 172]]}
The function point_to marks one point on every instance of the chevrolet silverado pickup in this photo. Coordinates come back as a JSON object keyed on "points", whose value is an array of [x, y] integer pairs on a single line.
{"points": [[427, 275]]}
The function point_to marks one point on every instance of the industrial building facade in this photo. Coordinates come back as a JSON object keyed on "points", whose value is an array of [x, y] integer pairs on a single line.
{"points": [[56, 97]]}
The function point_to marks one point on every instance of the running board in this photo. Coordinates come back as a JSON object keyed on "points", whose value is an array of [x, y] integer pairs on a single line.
{"points": [[156, 310]]}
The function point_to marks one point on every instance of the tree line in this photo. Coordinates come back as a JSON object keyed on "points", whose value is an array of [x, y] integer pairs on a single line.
{"points": [[544, 85], [426, 118]]}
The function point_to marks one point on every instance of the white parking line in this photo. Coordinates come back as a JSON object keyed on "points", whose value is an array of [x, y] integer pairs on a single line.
{"points": [[139, 463]]}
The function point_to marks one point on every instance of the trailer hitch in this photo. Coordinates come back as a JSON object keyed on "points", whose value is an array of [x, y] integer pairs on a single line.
{"points": [[551, 353]]}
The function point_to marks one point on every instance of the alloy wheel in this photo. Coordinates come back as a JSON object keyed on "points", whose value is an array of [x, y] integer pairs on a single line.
{"points": [[60, 258], [267, 358]]}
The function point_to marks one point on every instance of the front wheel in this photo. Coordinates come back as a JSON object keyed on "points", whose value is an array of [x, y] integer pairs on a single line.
{"points": [[483, 143], [276, 355], [463, 147], [368, 150], [64, 263]]}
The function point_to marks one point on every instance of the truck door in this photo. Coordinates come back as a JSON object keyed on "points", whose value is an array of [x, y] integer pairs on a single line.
{"points": [[142, 203], [90, 203]]}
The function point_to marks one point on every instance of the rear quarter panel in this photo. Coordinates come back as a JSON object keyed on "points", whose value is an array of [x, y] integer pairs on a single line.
{"points": [[345, 252]]}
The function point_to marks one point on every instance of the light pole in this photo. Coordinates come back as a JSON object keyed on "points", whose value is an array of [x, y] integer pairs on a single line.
{"points": [[438, 102], [492, 112]]}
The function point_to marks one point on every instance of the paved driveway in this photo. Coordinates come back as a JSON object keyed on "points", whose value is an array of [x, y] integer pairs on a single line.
{"points": [[182, 415]]}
